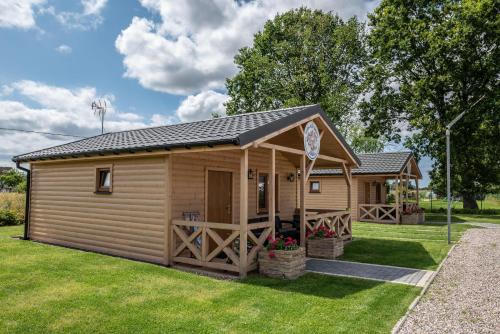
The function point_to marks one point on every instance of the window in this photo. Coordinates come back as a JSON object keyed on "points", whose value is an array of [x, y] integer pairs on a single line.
{"points": [[263, 193], [103, 180], [314, 187], [262, 189]]}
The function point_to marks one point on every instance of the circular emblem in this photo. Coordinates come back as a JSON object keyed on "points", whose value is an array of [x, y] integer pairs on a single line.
{"points": [[311, 140]]}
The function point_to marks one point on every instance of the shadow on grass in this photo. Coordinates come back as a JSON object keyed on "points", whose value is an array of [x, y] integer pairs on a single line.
{"points": [[441, 217], [332, 287], [401, 253]]}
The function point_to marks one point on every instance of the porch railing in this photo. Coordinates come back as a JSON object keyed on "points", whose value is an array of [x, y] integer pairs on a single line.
{"points": [[216, 245], [379, 213], [338, 221]]}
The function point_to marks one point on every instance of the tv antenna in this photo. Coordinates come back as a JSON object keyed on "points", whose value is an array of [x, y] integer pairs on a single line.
{"points": [[100, 108]]}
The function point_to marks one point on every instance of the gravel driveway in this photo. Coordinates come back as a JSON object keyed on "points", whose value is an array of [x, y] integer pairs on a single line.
{"points": [[465, 296]]}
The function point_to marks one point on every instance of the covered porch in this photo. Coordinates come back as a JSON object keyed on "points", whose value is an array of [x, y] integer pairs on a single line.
{"points": [[384, 198], [227, 201]]}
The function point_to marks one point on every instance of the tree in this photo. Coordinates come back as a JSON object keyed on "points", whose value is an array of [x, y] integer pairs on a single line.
{"points": [[302, 57], [432, 60], [12, 180]]}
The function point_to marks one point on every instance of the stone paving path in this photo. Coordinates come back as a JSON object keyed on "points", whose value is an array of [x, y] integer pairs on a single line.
{"points": [[370, 271]]}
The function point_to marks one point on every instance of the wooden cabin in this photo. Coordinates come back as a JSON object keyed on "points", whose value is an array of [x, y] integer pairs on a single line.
{"points": [[205, 194], [370, 183]]}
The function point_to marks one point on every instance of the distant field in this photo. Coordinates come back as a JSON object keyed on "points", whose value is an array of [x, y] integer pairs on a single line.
{"points": [[489, 203]]}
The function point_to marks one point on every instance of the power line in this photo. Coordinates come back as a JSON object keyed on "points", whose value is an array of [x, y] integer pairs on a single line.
{"points": [[43, 133]]}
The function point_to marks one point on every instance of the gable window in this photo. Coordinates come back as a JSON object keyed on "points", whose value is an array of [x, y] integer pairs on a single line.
{"points": [[314, 187], [263, 193], [103, 180]]}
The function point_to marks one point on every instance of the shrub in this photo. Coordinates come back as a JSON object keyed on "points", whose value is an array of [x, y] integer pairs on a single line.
{"points": [[11, 205], [9, 217]]}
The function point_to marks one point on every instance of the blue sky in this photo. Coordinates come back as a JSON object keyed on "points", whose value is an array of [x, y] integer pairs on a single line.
{"points": [[155, 62]]}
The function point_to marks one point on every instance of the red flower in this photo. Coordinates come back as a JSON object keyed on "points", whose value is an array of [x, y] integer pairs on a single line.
{"points": [[272, 255]]}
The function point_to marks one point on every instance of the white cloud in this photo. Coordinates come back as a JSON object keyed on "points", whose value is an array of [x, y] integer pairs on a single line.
{"points": [[158, 120], [89, 18], [56, 110], [18, 13], [64, 49], [93, 7], [191, 48], [201, 106]]}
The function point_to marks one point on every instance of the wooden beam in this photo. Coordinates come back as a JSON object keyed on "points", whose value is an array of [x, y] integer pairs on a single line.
{"points": [[328, 158], [243, 213], [418, 198], [302, 201], [276, 133], [349, 188], [282, 148], [396, 198], [300, 129], [310, 169], [272, 192]]}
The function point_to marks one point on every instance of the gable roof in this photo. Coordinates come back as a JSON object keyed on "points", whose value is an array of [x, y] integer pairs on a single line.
{"points": [[239, 130], [374, 163]]}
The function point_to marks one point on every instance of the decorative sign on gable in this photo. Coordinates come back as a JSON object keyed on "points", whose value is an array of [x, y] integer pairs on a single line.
{"points": [[311, 140]]}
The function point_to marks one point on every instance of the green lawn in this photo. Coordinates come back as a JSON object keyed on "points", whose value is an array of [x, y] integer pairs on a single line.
{"points": [[412, 246], [53, 289]]}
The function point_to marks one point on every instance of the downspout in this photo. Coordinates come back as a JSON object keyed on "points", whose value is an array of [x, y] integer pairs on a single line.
{"points": [[27, 206]]}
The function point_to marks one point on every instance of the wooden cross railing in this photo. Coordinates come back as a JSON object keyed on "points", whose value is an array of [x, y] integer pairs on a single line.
{"points": [[379, 213], [338, 221], [216, 245]]}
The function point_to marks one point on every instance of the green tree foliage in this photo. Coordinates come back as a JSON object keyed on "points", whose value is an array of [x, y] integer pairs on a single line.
{"points": [[12, 180], [431, 60], [302, 57]]}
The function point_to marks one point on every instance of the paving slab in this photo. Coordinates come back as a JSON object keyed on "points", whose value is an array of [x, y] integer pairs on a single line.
{"points": [[376, 272]]}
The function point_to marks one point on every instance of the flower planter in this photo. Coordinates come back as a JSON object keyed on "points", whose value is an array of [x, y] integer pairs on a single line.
{"points": [[421, 217], [289, 264], [328, 248], [411, 219]]}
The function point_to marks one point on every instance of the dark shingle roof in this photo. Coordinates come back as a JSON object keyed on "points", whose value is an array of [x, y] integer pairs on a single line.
{"points": [[374, 163], [238, 130]]}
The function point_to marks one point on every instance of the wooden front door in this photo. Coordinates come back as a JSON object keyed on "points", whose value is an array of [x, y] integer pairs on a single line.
{"points": [[367, 193], [219, 193]]}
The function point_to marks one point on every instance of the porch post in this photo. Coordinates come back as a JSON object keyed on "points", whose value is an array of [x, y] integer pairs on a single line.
{"points": [[243, 212], [302, 200], [396, 198], [416, 185], [272, 193]]}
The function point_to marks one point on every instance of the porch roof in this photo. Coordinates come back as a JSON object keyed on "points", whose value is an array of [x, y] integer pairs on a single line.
{"points": [[386, 163], [238, 130]]}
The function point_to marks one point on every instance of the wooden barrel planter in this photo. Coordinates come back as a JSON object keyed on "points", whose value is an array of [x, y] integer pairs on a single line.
{"points": [[411, 219], [289, 264], [327, 248]]}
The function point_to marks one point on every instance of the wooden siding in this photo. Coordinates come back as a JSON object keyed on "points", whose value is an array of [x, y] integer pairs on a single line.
{"points": [[373, 192], [333, 194], [130, 222], [188, 191]]}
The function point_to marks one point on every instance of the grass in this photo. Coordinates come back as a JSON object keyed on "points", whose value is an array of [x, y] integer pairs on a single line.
{"points": [[491, 202], [53, 289], [412, 246]]}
